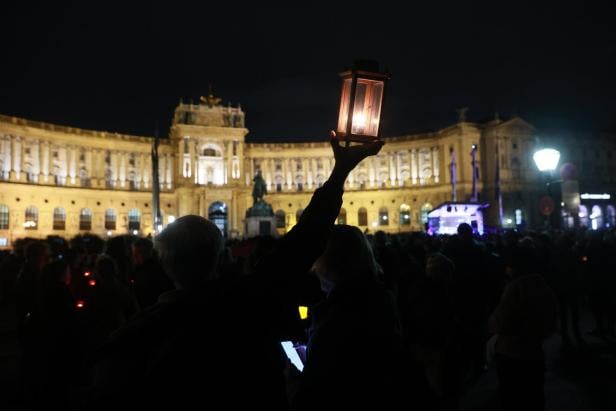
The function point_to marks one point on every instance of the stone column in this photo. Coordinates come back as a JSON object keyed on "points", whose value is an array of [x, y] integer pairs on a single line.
{"points": [[289, 174], [45, 162], [89, 164], [16, 163], [72, 164], [169, 168], [180, 157], [377, 163], [192, 146], [6, 155], [229, 161], [305, 172], [313, 171], [392, 168], [414, 166], [240, 155], [435, 164], [371, 171]]}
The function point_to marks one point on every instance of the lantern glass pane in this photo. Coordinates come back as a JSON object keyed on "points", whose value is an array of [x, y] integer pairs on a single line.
{"points": [[367, 107], [345, 98]]}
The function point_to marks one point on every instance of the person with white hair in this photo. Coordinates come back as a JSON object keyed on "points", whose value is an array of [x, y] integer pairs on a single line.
{"points": [[216, 343]]}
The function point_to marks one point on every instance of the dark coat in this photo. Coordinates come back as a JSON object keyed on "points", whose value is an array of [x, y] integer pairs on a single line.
{"points": [[355, 357], [220, 345]]}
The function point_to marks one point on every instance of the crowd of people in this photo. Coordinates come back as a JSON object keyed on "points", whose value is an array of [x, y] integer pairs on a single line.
{"points": [[404, 321]]}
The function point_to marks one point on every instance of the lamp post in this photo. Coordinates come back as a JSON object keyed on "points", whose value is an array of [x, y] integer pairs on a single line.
{"points": [[546, 160], [361, 102]]}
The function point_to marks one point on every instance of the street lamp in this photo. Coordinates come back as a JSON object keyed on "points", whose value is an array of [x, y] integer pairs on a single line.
{"points": [[361, 102], [546, 160]]}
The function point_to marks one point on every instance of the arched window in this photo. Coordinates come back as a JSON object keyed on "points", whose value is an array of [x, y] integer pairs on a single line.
{"points": [[31, 222], [280, 219], [4, 217], [341, 217], [423, 215], [134, 219], [362, 217], [298, 214], [383, 216], [59, 218], [218, 214], [85, 219], [405, 214], [110, 219]]}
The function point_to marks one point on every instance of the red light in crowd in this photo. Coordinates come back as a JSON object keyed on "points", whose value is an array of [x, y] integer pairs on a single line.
{"points": [[80, 304], [92, 282], [87, 274]]}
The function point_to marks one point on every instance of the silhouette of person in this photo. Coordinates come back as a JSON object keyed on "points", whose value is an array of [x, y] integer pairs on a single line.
{"points": [[355, 334], [525, 316], [211, 342]]}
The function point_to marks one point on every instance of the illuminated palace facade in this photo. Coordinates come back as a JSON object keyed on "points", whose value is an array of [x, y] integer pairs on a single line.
{"points": [[57, 180]]}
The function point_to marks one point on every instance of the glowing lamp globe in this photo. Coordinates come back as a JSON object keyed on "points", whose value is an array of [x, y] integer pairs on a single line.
{"points": [[546, 159], [361, 102]]}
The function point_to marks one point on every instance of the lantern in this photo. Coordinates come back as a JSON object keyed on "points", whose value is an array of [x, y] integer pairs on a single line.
{"points": [[361, 102]]}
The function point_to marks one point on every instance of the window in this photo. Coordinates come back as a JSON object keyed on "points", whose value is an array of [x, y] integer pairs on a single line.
{"points": [[110, 219], [31, 222], [519, 217], [298, 214], [362, 217], [515, 168], [59, 218], [405, 215], [280, 219], [134, 219], [85, 219], [383, 216], [278, 187], [4, 217], [423, 215], [341, 217]]}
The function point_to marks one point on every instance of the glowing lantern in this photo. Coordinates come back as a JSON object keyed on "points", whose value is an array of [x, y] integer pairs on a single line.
{"points": [[80, 304], [361, 102]]}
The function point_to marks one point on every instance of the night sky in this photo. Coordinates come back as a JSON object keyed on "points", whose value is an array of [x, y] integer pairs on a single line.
{"points": [[124, 67]]}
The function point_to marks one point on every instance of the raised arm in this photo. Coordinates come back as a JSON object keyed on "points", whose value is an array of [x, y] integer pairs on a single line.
{"points": [[301, 246]]}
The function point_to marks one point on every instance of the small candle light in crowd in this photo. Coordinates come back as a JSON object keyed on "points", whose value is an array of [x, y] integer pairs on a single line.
{"points": [[303, 312], [80, 304], [92, 282], [87, 274], [584, 258]]}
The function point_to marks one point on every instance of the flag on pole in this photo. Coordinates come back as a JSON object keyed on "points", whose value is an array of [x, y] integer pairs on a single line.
{"points": [[156, 216], [497, 187], [454, 196]]}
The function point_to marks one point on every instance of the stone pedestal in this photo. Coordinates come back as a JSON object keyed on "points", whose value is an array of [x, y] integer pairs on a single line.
{"points": [[260, 220], [258, 225]]}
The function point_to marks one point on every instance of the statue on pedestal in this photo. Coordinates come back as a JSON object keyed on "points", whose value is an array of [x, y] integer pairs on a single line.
{"points": [[259, 207]]}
